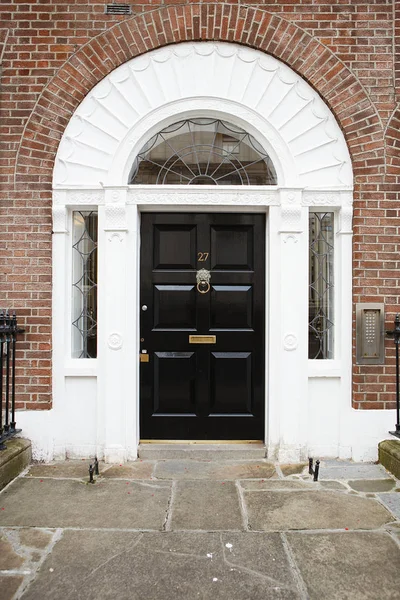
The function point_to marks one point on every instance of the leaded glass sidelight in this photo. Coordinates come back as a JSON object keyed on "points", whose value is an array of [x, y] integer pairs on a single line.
{"points": [[203, 152], [321, 281], [84, 287]]}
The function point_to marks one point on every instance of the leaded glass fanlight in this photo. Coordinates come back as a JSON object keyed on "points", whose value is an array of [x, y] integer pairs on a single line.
{"points": [[203, 152]]}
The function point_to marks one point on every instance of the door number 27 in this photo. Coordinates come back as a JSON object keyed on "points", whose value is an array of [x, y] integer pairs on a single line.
{"points": [[202, 256]]}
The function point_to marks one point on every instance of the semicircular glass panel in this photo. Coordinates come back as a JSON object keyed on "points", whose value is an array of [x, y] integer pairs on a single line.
{"points": [[203, 152]]}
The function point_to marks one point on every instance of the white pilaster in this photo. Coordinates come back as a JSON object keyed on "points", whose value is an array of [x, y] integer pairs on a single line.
{"points": [[292, 343], [59, 310], [112, 319]]}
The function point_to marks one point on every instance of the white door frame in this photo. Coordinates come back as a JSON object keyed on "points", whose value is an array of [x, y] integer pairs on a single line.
{"points": [[95, 156]]}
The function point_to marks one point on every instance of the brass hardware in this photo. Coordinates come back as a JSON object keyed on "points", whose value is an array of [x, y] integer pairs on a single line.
{"points": [[144, 358], [202, 339], [203, 281], [206, 289]]}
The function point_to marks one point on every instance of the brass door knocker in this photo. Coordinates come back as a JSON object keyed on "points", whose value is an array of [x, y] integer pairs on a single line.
{"points": [[203, 281]]}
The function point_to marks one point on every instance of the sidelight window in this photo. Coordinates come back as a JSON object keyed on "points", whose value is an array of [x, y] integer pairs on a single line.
{"points": [[203, 152], [84, 286], [321, 286]]}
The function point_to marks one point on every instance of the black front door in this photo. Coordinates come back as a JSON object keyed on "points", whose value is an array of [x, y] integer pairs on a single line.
{"points": [[204, 378]]}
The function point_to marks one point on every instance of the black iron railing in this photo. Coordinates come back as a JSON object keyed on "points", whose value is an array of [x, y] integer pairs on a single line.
{"points": [[395, 334], [8, 338]]}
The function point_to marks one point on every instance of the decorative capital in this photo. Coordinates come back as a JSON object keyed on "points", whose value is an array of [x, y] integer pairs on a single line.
{"points": [[59, 219], [115, 217]]}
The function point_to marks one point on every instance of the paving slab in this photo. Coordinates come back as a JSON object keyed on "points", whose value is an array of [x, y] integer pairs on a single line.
{"points": [[69, 503], [9, 559], [76, 469], [349, 565], [280, 511], [332, 485], [392, 501], [355, 471], [9, 584], [275, 484], [133, 470], [205, 505], [337, 462], [165, 566], [292, 469], [372, 485], [220, 470], [35, 538]]}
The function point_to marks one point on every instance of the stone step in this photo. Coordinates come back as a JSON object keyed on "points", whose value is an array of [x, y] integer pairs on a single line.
{"points": [[199, 451], [14, 459], [389, 456]]}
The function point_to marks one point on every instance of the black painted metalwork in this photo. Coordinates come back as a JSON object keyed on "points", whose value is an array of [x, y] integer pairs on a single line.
{"points": [[395, 334], [203, 152], [313, 471], [8, 338], [93, 470]]}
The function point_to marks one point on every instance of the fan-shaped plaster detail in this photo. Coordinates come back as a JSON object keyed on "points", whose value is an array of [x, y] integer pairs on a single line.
{"points": [[260, 93]]}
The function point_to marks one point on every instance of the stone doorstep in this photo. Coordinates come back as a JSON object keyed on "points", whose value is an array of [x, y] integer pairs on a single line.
{"points": [[14, 459], [199, 451], [389, 456]]}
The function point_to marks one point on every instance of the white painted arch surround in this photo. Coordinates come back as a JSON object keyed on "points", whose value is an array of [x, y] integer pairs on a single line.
{"points": [[308, 403]]}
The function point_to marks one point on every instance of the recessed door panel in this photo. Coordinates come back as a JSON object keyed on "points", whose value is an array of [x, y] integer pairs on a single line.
{"points": [[175, 307], [174, 383], [231, 307], [231, 383], [232, 247], [174, 247], [202, 326]]}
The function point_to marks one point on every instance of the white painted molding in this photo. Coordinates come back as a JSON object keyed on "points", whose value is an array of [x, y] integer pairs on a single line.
{"points": [[183, 195], [223, 195], [264, 95], [290, 342], [59, 219], [115, 341], [115, 217]]}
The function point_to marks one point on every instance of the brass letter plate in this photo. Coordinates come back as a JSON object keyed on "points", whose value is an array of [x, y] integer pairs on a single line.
{"points": [[202, 339]]}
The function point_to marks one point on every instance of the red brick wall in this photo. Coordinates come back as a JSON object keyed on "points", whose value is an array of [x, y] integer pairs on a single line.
{"points": [[53, 53]]}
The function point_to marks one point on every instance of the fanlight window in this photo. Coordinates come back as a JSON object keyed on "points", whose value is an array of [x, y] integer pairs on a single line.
{"points": [[203, 152]]}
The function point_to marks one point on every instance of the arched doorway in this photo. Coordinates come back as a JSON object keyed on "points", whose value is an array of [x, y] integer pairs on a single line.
{"points": [[307, 170]]}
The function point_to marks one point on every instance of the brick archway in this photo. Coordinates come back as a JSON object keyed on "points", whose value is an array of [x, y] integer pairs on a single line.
{"points": [[393, 146], [253, 27]]}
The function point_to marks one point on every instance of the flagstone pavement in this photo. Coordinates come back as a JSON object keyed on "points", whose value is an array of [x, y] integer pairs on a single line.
{"points": [[200, 529]]}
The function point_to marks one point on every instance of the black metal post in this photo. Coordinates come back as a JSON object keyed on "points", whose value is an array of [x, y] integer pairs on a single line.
{"points": [[14, 339], [1, 373], [316, 471], [395, 333], [311, 471], [8, 340]]}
